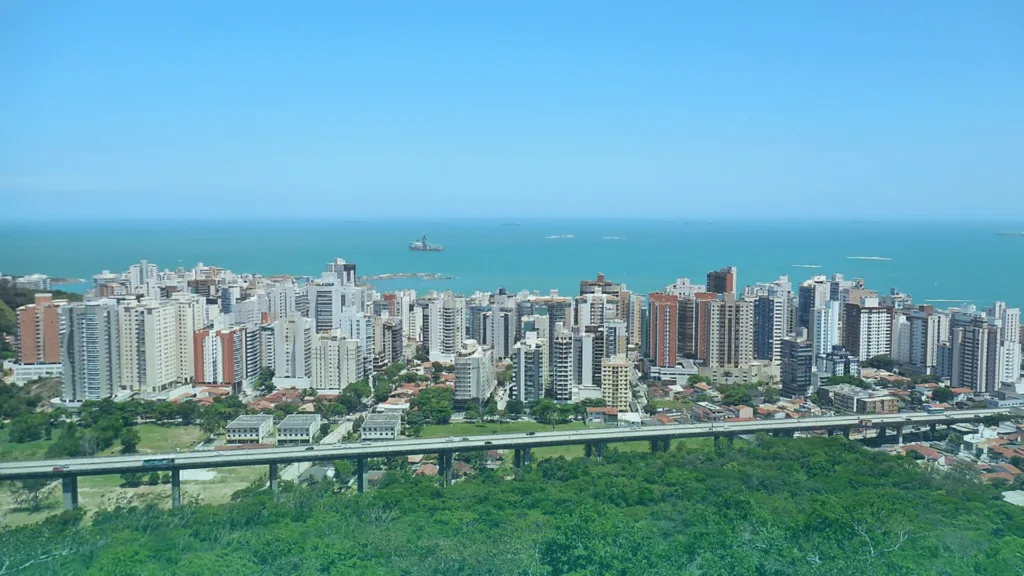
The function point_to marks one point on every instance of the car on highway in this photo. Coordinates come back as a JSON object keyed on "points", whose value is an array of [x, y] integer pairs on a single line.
{"points": [[575, 433], [61, 468], [634, 428], [487, 442], [365, 442], [531, 433], [308, 448], [465, 438], [450, 439]]}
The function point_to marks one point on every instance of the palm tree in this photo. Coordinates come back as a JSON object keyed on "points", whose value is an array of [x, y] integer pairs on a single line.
{"points": [[728, 376]]}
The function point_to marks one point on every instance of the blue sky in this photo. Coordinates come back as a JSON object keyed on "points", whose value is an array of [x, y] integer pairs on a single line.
{"points": [[754, 109]]}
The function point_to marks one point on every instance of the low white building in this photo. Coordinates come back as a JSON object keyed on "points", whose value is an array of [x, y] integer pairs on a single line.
{"points": [[381, 426], [250, 429], [24, 373], [298, 428]]}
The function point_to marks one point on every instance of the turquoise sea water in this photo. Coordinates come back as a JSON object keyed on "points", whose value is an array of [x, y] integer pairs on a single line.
{"points": [[961, 262]]}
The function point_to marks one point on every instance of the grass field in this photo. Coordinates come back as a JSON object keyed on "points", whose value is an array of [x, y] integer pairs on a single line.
{"points": [[10, 451], [155, 439], [477, 429]]}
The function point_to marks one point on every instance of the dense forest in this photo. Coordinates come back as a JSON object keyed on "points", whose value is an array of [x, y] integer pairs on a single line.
{"points": [[805, 506]]}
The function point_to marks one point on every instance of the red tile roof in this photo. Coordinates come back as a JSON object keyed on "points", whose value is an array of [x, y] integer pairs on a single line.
{"points": [[426, 470], [610, 410], [1004, 475]]}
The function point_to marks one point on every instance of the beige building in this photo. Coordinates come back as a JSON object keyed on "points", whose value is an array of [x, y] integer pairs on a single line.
{"points": [[335, 361], [149, 346], [730, 332], [615, 381]]}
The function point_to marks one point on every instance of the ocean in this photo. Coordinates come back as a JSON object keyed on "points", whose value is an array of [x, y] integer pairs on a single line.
{"points": [[947, 263]]}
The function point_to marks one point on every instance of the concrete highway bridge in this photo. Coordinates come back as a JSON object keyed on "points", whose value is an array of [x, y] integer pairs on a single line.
{"points": [[69, 469]]}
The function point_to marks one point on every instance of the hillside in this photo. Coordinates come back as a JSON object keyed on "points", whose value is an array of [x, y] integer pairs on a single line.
{"points": [[806, 506]]}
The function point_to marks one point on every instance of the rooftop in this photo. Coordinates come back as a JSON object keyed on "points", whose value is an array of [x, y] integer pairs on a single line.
{"points": [[299, 420], [383, 418], [248, 420]]}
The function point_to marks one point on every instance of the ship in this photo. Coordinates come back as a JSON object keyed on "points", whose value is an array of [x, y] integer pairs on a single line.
{"points": [[422, 245]]}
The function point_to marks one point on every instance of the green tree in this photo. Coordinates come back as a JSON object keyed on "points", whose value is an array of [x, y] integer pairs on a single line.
{"points": [[343, 470], [28, 427], [544, 410], [153, 478], [381, 390], [130, 441], [265, 381], [421, 354], [650, 409], [434, 404], [515, 407], [881, 362], [955, 441], [132, 479], [942, 394]]}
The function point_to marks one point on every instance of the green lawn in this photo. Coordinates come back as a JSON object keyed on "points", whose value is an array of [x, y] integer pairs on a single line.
{"points": [[156, 439], [477, 429], [10, 451]]}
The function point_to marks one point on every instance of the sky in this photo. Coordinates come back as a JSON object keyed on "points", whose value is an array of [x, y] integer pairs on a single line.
{"points": [[747, 109]]}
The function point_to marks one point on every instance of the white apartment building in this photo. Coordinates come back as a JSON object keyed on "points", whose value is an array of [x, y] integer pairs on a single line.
{"points": [[281, 300], [453, 325], [288, 347], [474, 372], [358, 325], [824, 330], [89, 350], [141, 274], [189, 311], [335, 361], [868, 329], [1008, 321], [530, 368], [150, 352], [562, 363], [615, 382]]}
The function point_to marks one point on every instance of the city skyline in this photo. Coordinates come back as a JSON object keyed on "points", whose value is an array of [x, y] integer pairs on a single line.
{"points": [[366, 111]]}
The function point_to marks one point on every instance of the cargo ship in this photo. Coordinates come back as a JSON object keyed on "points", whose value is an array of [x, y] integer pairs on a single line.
{"points": [[422, 245]]}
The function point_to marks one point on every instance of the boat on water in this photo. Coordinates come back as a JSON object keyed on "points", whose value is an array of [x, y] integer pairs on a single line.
{"points": [[1010, 233], [422, 245]]}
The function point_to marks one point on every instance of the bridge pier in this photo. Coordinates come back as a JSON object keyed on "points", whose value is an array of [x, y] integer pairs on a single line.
{"points": [[175, 488], [273, 478], [445, 464], [881, 434], [361, 465], [521, 457], [69, 487], [718, 441], [588, 449], [899, 435], [732, 439], [846, 433], [661, 444], [932, 428]]}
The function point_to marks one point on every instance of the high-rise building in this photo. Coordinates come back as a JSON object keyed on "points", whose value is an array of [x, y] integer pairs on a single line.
{"points": [[730, 332], [615, 336], [1008, 322], [824, 329], [453, 324], [975, 351], [220, 356], [343, 271], [190, 315], [797, 367], [691, 341], [594, 309], [281, 300], [683, 288], [502, 331], [722, 281], [288, 346], [867, 329], [141, 274], [562, 366], [599, 286], [599, 336], [664, 329], [358, 325], [149, 346], [474, 372], [812, 294], [615, 382], [335, 361], [325, 305], [634, 320], [39, 330], [530, 368], [583, 359], [771, 316], [90, 350]]}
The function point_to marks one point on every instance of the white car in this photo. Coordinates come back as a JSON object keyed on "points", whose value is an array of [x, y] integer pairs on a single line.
{"points": [[450, 439]]}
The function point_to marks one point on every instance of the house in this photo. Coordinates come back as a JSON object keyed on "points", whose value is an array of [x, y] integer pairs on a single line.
{"points": [[250, 429], [426, 470], [313, 474], [462, 469], [997, 475], [930, 454], [606, 414], [298, 429], [414, 459], [381, 426]]}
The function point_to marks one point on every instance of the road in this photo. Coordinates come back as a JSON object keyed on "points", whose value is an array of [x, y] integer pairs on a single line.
{"points": [[405, 447]]}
